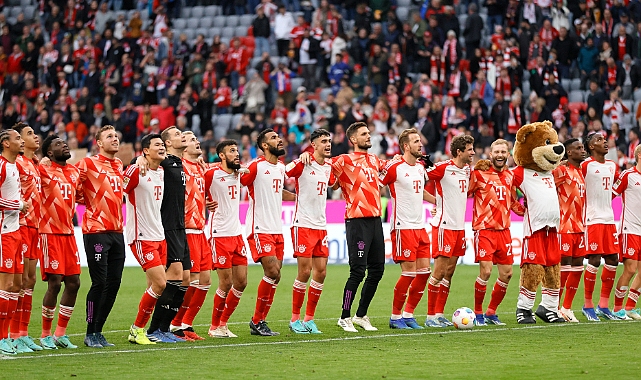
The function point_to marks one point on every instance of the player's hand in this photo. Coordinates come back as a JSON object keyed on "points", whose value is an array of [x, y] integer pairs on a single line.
{"points": [[242, 171], [143, 165], [25, 207], [305, 158], [397, 157], [426, 161], [433, 211], [45, 161], [211, 205], [201, 163]]}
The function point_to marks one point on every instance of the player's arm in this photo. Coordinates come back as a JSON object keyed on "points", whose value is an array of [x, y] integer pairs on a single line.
{"points": [[620, 185], [473, 186], [429, 197], [617, 177], [210, 203], [288, 195], [337, 170], [516, 206], [131, 179], [82, 177], [249, 176], [294, 169]]}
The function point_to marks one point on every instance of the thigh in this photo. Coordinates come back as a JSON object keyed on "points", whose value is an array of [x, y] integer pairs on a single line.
{"points": [[11, 252], [503, 248], [630, 247], [30, 242], [405, 245], [357, 245], [376, 254]]}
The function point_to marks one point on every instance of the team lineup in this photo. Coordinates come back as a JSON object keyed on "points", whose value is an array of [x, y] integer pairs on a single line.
{"points": [[567, 211]]}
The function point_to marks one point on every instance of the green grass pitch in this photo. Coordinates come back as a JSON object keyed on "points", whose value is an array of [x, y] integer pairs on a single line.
{"points": [[584, 350]]}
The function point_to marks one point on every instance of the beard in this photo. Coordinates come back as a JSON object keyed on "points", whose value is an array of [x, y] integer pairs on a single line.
{"points": [[364, 146], [276, 152], [416, 154], [498, 164], [232, 165], [62, 156]]}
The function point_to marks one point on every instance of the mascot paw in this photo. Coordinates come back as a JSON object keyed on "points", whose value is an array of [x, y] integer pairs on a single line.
{"points": [[525, 317], [482, 165], [426, 161], [548, 316]]}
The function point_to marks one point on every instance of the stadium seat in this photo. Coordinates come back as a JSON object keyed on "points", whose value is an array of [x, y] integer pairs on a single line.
{"points": [[250, 73], [25, 3], [575, 84], [202, 31], [274, 60], [15, 11], [205, 22], [246, 20], [211, 11], [324, 92], [223, 123], [185, 12], [628, 121], [403, 14], [526, 89], [219, 21], [30, 12], [637, 95], [225, 40], [197, 11], [575, 96], [404, 3], [215, 31], [12, 2], [255, 61], [235, 120], [461, 20], [240, 31], [628, 104], [231, 21], [297, 82], [180, 23], [11, 20], [228, 33], [192, 22], [565, 83], [191, 34]]}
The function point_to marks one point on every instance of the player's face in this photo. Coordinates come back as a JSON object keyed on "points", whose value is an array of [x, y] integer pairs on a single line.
{"points": [[178, 140], [156, 151], [59, 150], [231, 155], [15, 143], [109, 141], [499, 155], [363, 139], [274, 144], [323, 145], [414, 147], [598, 144], [467, 154], [576, 151], [193, 145], [31, 140]]}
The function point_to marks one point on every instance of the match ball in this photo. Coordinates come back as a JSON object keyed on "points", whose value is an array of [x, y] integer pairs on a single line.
{"points": [[463, 318]]}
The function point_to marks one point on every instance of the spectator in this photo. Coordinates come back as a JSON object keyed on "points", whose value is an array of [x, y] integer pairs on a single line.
{"points": [[473, 29], [222, 99], [615, 109], [553, 93], [495, 11], [622, 44], [283, 25], [632, 78], [309, 50], [587, 61], [262, 31]]}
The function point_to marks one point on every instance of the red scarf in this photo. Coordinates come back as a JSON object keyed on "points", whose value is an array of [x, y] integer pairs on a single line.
{"points": [[612, 76], [505, 86], [621, 45], [447, 112], [607, 27], [450, 51], [394, 75], [632, 147], [127, 74], [266, 72], [209, 80], [485, 63], [514, 119], [426, 91], [437, 76], [455, 85]]}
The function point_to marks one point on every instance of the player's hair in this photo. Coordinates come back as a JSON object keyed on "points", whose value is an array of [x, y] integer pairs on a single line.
{"points": [[588, 138], [104, 129], [4, 136], [46, 145], [20, 126], [164, 135], [351, 130], [146, 140], [567, 144], [220, 148], [319, 133], [500, 142], [637, 151], [261, 138], [460, 142], [404, 137]]}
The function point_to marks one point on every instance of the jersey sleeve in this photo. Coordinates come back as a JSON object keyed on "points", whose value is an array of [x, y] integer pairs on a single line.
{"points": [[209, 178], [435, 173], [559, 175], [388, 174], [584, 168], [131, 179], [294, 169], [473, 183], [337, 166], [620, 184], [82, 176], [248, 178], [518, 176], [7, 204]]}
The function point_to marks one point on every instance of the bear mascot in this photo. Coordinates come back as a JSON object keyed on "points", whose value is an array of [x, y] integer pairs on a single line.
{"points": [[537, 152]]}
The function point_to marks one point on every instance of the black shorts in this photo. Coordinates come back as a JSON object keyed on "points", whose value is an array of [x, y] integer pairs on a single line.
{"points": [[177, 248], [102, 248], [365, 241]]}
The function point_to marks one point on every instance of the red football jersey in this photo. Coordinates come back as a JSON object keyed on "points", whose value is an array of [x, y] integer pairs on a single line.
{"points": [[357, 174], [59, 186], [194, 196], [100, 190], [494, 197], [570, 187], [30, 186]]}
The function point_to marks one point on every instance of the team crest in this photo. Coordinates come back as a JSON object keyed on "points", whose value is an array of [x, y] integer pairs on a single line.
{"points": [[243, 252], [267, 248], [448, 249], [24, 249], [54, 264], [482, 253], [531, 255], [221, 260], [149, 256], [407, 253], [98, 248], [594, 246], [8, 263], [301, 248], [565, 247], [630, 251]]}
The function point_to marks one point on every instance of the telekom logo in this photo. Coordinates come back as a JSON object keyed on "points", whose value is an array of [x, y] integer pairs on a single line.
{"points": [[114, 183], [321, 187], [462, 183], [500, 192], [232, 191], [581, 190], [417, 186], [65, 190], [157, 192], [548, 182], [606, 183], [276, 185]]}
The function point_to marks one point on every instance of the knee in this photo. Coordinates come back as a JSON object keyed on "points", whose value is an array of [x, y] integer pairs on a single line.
{"points": [[321, 274], [357, 273], [304, 274], [72, 284], [375, 272], [54, 285], [485, 273], [158, 287]]}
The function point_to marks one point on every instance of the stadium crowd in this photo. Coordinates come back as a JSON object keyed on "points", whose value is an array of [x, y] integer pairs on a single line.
{"points": [[445, 67]]}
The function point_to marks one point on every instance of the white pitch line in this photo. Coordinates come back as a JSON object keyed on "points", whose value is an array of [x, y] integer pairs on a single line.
{"points": [[292, 342]]}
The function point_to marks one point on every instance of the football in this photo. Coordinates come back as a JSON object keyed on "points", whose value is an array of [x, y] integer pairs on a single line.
{"points": [[463, 318]]}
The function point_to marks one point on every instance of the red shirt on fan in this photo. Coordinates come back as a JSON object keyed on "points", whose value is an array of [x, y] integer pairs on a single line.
{"points": [[237, 60], [13, 63], [223, 97], [100, 190], [59, 185], [194, 195]]}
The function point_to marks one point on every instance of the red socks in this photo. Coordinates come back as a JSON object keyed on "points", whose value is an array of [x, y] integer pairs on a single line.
{"points": [[219, 307], [400, 291], [480, 287], [64, 315], [607, 283], [197, 300], [571, 286], [47, 320], [178, 319], [433, 291], [313, 295], [589, 280], [633, 297], [262, 298], [442, 296], [145, 308], [565, 272], [27, 304], [619, 295], [233, 298], [298, 297], [416, 290], [498, 293], [17, 315]]}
